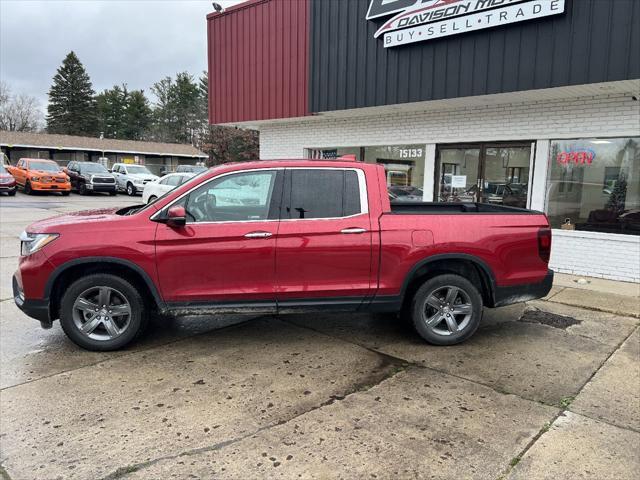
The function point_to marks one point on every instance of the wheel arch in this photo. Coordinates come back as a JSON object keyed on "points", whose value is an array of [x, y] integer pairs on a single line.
{"points": [[468, 266], [72, 270]]}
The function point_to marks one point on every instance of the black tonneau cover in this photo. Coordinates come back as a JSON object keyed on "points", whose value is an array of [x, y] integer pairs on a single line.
{"points": [[433, 208]]}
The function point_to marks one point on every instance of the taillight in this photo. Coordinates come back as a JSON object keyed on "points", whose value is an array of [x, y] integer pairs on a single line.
{"points": [[544, 244]]}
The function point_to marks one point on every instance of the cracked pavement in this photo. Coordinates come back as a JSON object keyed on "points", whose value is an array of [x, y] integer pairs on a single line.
{"points": [[320, 396]]}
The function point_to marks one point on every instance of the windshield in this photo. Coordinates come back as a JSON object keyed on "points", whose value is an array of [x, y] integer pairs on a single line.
{"points": [[2, 169], [93, 168], [138, 169], [44, 166]]}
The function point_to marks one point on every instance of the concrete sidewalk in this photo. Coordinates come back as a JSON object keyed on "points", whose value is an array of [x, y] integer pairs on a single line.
{"points": [[621, 298]]}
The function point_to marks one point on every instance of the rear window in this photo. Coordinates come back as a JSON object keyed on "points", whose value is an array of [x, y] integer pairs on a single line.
{"points": [[317, 193]]}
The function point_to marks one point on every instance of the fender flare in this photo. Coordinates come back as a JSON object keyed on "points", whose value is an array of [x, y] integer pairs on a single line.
{"points": [[113, 260], [481, 264]]}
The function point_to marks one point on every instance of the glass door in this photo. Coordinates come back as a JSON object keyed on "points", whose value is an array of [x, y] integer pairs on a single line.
{"points": [[459, 174], [484, 172], [505, 175]]}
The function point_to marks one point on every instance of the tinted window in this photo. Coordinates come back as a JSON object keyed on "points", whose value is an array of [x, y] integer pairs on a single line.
{"points": [[92, 168], [323, 194], [238, 197], [351, 193]]}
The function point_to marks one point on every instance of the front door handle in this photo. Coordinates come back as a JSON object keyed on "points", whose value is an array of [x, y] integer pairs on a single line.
{"points": [[258, 235], [353, 230]]}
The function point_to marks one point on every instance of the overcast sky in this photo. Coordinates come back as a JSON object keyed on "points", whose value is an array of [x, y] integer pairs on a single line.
{"points": [[136, 42]]}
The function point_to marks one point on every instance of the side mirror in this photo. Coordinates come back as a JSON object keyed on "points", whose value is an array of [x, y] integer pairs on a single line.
{"points": [[176, 216]]}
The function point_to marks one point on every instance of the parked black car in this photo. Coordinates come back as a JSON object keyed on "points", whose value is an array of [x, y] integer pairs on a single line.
{"points": [[89, 177]]}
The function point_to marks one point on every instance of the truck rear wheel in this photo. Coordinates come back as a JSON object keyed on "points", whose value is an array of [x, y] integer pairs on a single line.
{"points": [[446, 309], [102, 312]]}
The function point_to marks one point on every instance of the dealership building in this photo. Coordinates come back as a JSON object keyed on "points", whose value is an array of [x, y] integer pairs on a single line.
{"points": [[530, 103]]}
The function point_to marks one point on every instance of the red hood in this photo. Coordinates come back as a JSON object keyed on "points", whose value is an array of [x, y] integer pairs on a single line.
{"points": [[84, 218]]}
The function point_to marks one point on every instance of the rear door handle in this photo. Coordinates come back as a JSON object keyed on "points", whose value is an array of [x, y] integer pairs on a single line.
{"points": [[258, 235], [353, 230]]}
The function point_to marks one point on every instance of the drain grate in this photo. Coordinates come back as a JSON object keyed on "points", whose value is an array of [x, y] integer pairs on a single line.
{"points": [[551, 319]]}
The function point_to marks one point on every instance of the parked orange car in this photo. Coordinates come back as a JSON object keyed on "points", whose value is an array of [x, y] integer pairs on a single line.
{"points": [[34, 174]]}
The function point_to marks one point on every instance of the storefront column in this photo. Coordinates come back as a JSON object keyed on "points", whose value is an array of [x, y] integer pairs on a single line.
{"points": [[539, 182], [429, 172]]}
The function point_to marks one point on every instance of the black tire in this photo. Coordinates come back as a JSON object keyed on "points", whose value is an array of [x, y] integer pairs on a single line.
{"points": [[82, 189], [114, 193], [27, 188], [137, 318], [12, 193], [66, 194], [447, 327], [152, 199], [131, 190]]}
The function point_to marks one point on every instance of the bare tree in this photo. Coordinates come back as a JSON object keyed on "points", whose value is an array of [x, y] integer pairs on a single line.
{"points": [[18, 113]]}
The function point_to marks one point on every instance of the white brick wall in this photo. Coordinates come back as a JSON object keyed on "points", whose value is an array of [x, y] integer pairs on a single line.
{"points": [[593, 254], [576, 117], [584, 253]]}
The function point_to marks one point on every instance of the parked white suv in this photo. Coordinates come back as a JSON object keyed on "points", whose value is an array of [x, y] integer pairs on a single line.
{"points": [[154, 190], [132, 178]]}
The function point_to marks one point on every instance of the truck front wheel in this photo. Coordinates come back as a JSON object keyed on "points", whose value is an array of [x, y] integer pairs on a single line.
{"points": [[102, 312], [446, 309]]}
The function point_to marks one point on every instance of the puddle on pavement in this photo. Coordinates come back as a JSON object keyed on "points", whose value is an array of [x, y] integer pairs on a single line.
{"points": [[550, 319]]}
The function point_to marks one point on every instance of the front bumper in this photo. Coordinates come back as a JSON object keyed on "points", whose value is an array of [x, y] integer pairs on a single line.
{"points": [[522, 293], [34, 308], [5, 187], [101, 187], [51, 187]]}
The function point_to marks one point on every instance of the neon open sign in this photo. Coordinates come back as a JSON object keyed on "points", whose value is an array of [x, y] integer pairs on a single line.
{"points": [[578, 156]]}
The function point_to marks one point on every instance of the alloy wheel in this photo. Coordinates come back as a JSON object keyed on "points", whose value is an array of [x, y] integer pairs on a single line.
{"points": [[101, 313], [447, 310]]}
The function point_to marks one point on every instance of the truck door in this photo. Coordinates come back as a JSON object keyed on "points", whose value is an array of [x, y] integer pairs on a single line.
{"points": [[225, 254], [324, 244]]}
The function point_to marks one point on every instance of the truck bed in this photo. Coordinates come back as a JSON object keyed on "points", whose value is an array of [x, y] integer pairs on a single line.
{"points": [[444, 208]]}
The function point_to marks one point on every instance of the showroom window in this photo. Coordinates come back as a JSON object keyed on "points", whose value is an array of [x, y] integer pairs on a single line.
{"points": [[594, 185], [403, 164], [496, 173]]}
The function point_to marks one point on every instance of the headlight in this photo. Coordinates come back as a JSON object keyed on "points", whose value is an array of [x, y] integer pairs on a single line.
{"points": [[32, 242], [34, 179]]}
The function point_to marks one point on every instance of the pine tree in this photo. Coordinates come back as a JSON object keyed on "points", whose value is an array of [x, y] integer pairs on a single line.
{"points": [[138, 116], [71, 108], [111, 108], [177, 113]]}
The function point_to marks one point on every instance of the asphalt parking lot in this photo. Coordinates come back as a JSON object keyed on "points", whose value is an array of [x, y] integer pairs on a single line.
{"points": [[531, 396]]}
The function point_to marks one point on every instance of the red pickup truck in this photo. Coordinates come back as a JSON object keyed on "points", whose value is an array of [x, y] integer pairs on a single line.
{"points": [[277, 237]]}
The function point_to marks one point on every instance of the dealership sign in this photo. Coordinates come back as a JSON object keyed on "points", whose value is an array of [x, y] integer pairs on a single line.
{"points": [[419, 20]]}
